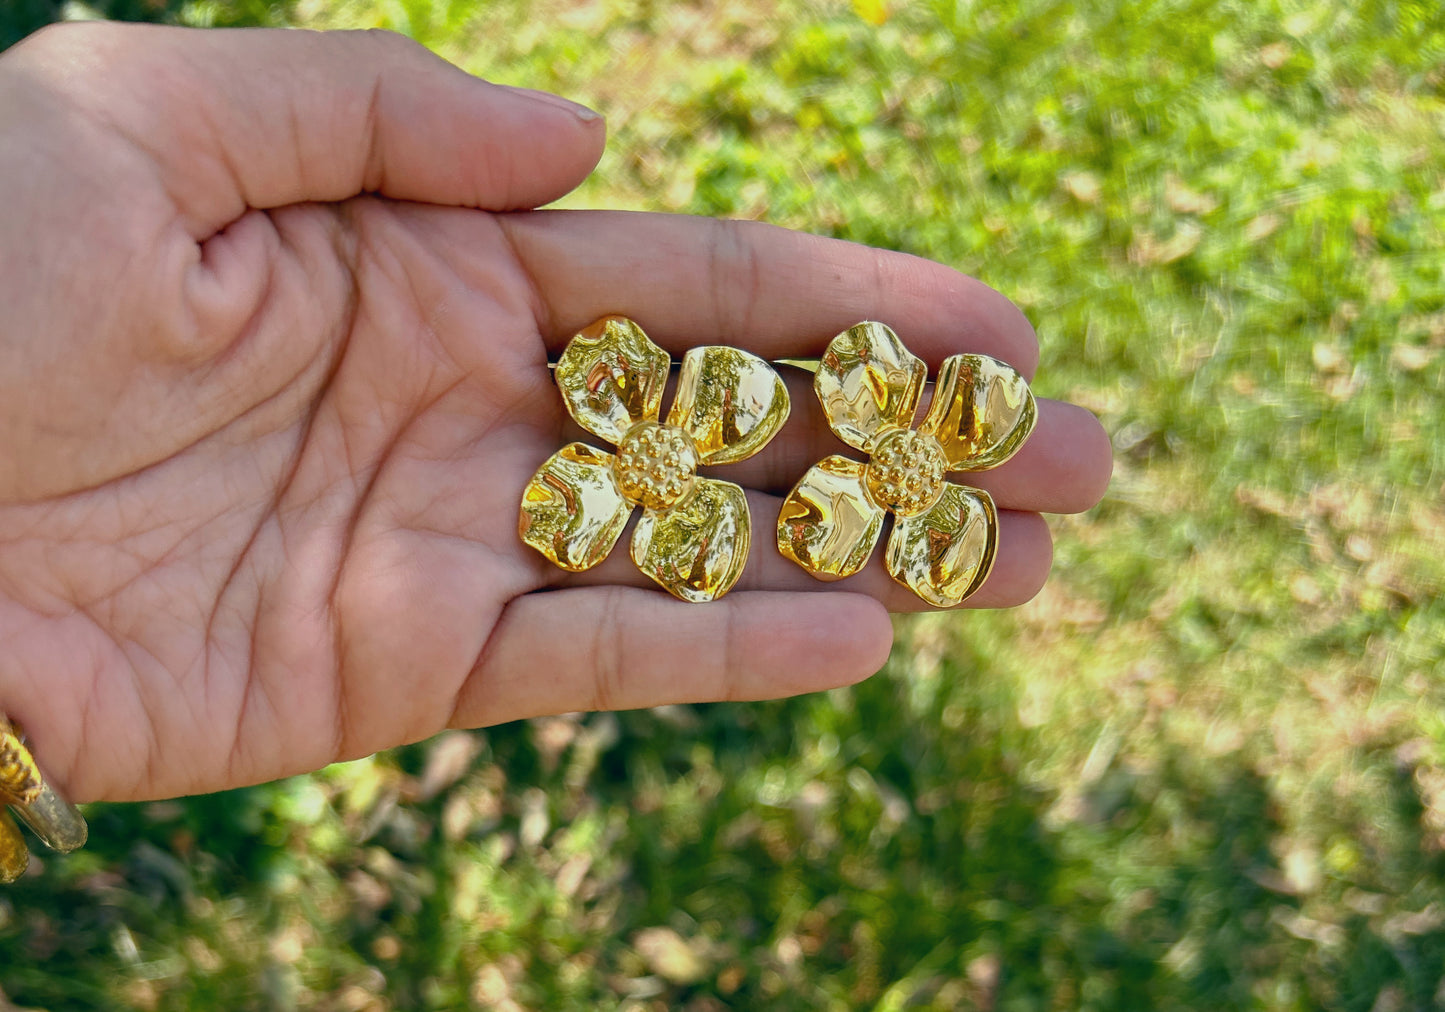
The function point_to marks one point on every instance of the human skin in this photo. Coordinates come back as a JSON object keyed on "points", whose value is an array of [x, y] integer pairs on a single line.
{"points": [[273, 373]]}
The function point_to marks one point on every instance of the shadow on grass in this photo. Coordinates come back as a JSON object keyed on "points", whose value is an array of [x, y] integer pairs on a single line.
{"points": [[890, 847], [925, 869]]}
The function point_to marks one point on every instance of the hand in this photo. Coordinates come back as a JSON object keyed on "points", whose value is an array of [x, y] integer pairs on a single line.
{"points": [[273, 373]]}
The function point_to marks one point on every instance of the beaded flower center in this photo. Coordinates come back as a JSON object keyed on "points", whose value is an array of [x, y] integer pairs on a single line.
{"points": [[656, 465], [905, 472]]}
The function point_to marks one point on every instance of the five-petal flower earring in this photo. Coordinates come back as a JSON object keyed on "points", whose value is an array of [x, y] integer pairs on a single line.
{"points": [[695, 532], [945, 536]]}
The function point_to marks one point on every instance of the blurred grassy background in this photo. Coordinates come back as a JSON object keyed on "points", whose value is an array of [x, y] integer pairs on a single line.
{"points": [[1205, 769]]}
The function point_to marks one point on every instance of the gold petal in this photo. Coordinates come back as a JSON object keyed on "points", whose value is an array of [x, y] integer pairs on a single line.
{"points": [[611, 377], [867, 382], [982, 412], [731, 402], [14, 856], [943, 555], [572, 511], [697, 548], [828, 523]]}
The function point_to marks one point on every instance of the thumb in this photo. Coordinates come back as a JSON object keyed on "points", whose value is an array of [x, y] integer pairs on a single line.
{"points": [[256, 118]]}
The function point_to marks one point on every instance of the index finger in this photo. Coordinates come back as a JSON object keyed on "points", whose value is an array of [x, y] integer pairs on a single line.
{"points": [[782, 294]]}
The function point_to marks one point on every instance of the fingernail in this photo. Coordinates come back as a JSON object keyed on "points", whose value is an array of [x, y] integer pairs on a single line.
{"points": [[583, 113]]}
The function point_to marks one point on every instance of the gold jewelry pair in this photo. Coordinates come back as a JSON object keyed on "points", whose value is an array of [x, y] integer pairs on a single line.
{"points": [[695, 532], [27, 793]]}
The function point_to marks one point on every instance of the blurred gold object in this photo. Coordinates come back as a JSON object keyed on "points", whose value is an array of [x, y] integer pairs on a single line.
{"points": [[945, 536], [694, 533], [23, 788], [14, 857]]}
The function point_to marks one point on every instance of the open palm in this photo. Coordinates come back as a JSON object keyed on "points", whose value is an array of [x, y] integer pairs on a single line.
{"points": [[273, 373]]}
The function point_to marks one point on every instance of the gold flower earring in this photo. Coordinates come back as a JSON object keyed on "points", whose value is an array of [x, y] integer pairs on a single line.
{"points": [[945, 536], [694, 533]]}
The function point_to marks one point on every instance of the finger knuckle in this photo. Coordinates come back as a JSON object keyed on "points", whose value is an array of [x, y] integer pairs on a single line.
{"points": [[734, 271], [608, 656], [388, 42]]}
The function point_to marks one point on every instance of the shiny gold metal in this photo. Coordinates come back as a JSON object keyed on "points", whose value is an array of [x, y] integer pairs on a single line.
{"points": [[945, 554], [56, 821], [730, 402], [829, 523], [611, 377], [696, 550], [14, 856], [694, 534], [867, 382], [656, 465], [905, 472], [572, 510], [945, 536], [982, 412]]}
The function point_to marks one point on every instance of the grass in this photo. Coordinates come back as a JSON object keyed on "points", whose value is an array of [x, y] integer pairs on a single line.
{"points": [[1205, 769]]}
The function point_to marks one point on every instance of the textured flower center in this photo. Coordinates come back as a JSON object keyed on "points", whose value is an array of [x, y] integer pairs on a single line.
{"points": [[656, 465], [906, 472]]}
